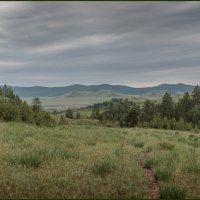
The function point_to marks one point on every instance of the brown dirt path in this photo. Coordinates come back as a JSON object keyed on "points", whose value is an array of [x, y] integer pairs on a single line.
{"points": [[153, 188]]}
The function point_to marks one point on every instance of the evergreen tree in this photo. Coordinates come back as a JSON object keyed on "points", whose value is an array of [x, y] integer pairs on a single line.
{"points": [[148, 111], [69, 114], [78, 116], [196, 96], [95, 112], [167, 106], [183, 107], [133, 116], [7, 92], [36, 104]]}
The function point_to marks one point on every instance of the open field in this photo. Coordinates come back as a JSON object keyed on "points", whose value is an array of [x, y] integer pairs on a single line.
{"points": [[62, 102], [86, 160]]}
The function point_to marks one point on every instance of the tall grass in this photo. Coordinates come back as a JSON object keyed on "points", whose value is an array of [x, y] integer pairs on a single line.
{"points": [[162, 174], [166, 145], [172, 192], [149, 162], [62, 162], [103, 167], [192, 166], [29, 158]]}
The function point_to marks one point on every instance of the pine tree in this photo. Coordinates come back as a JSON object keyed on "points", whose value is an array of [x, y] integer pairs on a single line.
{"points": [[69, 114], [148, 111], [196, 96], [167, 106], [36, 104]]}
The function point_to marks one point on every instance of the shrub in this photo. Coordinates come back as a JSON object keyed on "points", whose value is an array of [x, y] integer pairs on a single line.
{"points": [[194, 142], [78, 116], [63, 120], [191, 136], [177, 133], [125, 132], [196, 130], [172, 192], [28, 159], [149, 149], [166, 145], [162, 174], [192, 167], [139, 144], [149, 162], [165, 123], [69, 114], [104, 167]]}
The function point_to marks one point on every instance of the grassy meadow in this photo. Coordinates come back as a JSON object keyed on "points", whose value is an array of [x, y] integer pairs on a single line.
{"points": [[86, 160], [62, 102]]}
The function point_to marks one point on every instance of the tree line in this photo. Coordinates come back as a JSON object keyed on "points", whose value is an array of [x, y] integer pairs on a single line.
{"points": [[12, 108], [183, 115]]}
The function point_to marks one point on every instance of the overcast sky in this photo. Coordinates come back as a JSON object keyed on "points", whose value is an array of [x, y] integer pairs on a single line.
{"points": [[130, 43]]}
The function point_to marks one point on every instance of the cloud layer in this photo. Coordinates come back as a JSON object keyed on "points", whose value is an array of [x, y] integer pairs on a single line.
{"points": [[131, 43]]}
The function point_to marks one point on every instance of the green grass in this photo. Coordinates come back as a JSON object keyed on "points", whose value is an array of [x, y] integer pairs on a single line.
{"points": [[172, 192], [192, 166], [80, 100], [166, 145], [86, 160], [162, 174], [103, 167], [149, 162], [28, 159], [139, 144]]}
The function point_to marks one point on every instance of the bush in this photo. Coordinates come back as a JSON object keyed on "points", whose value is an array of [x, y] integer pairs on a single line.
{"points": [[192, 167], [172, 192], [166, 145], [162, 174], [63, 121], [104, 167], [149, 149], [149, 162], [69, 114], [139, 144], [183, 125], [165, 123], [29, 158], [78, 116]]}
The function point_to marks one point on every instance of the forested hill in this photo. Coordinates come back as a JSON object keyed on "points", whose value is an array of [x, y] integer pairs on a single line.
{"points": [[120, 89]]}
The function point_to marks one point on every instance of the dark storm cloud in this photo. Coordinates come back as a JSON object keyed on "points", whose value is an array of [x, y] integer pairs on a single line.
{"points": [[132, 43]]}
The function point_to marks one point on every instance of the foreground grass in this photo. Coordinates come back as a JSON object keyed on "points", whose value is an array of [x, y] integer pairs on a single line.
{"points": [[91, 161]]}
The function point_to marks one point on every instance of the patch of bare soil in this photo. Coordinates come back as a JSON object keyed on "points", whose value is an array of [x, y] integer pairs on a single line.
{"points": [[153, 188]]}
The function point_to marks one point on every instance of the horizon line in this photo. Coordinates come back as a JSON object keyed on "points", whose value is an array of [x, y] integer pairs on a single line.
{"points": [[99, 84]]}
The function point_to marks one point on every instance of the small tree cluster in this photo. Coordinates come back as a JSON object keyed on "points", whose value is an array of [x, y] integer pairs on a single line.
{"points": [[12, 108]]}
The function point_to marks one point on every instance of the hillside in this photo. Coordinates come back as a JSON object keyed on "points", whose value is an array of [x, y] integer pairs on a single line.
{"points": [[104, 88], [92, 93], [84, 160]]}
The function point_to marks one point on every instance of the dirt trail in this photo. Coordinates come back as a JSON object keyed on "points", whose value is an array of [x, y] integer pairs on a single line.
{"points": [[153, 188]]}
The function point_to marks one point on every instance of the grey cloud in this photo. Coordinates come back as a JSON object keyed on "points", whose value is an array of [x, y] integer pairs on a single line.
{"points": [[132, 43]]}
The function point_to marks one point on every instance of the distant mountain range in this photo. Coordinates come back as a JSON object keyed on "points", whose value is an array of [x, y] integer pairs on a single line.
{"points": [[103, 89]]}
